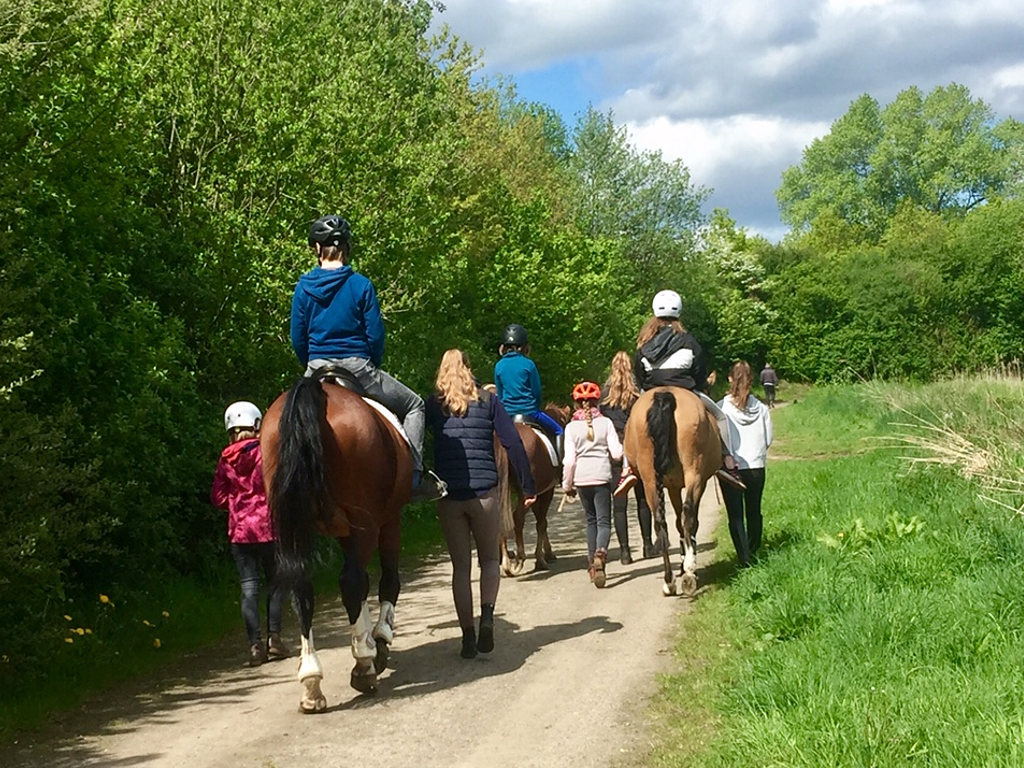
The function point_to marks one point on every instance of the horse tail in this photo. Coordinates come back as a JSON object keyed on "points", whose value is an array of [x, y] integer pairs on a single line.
{"points": [[508, 525], [661, 428], [298, 492]]}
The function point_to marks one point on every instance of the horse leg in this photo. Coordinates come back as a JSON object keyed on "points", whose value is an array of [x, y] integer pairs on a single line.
{"points": [[310, 671], [517, 561], [355, 587], [656, 501], [687, 523], [543, 552], [390, 583]]}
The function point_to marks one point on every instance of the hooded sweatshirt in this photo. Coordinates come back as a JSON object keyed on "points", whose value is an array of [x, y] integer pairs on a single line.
{"points": [[750, 431], [335, 314], [238, 488], [670, 359]]}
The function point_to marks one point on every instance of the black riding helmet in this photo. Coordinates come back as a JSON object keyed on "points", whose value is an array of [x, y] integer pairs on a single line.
{"points": [[330, 231], [514, 336]]}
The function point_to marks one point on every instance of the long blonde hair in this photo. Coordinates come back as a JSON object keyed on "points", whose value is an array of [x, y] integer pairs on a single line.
{"points": [[456, 388], [620, 389], [740, 379], [655, 324]]}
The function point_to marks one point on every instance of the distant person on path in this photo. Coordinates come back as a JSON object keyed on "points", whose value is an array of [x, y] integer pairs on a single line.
{"points": [[336, 321], [750, 427], [620, 392], [591, 445], [769, 381], [463, 419], [668, 355], [238, 488], [518, 382]]}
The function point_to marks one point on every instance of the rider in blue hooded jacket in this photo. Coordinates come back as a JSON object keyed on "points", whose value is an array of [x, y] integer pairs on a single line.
{"points": [[518, 382], [336, 321]]}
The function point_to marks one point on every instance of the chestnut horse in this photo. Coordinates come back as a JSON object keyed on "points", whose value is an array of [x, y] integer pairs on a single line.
{"points": [[546, 477], [335, 465], [673, 443]]}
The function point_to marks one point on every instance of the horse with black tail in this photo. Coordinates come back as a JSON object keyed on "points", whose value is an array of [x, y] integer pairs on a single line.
{"points": [[673, 443], [336, 465]]}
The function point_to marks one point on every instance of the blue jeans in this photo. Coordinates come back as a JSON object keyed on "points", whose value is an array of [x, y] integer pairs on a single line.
{"points": [[597, 505], [550, 424], [389, 392], [250, 559]]}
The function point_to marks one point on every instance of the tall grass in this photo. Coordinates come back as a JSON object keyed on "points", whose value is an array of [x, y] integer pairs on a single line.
{"points": [[884, 624]]}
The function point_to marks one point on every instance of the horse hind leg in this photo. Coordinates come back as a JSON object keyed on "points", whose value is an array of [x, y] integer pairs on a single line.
{"points": [[543, 553], [310, 672], [364, 650], [390, 584], [688, 538]]}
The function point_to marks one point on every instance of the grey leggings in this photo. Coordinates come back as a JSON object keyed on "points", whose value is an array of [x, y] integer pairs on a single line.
{"points": [[251, 560], [391, 393], [464, 522]]}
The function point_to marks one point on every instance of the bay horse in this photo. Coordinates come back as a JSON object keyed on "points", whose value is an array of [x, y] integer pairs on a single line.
{"points": [[673, 443], [546, 477], [335, 465]]}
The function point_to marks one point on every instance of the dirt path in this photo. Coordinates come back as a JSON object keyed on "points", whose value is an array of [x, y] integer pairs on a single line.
{"points": [[566, 685]]}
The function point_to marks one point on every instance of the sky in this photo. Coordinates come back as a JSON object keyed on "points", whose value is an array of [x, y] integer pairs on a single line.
{"points": [[736, 89]]}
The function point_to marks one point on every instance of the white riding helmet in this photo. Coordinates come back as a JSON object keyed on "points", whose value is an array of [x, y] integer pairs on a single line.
{"points": [[667, 304], [242, 414]]}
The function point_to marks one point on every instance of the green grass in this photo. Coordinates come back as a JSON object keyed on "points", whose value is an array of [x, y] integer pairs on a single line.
{"points": [[884, 625], [139, 633]]}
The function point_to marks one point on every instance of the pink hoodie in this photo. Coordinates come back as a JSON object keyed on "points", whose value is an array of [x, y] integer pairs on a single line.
{"points": [[238, 488]]}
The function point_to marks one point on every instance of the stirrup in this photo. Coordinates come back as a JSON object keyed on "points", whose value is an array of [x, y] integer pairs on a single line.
{"points": [[430, 488]]}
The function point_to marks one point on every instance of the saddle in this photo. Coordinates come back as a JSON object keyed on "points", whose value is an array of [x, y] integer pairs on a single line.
{"points": [[542, 433], [345, 379]]}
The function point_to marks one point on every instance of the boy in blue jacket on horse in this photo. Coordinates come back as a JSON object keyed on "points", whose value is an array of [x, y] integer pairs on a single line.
{"points": [[336, 321], [518, 382]]}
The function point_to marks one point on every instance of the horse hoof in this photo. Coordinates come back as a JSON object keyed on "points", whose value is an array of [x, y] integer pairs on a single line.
{"points": [[363, 680], [313, 707], [688, 584], [380, 661], [541, 565], [668, 589]]}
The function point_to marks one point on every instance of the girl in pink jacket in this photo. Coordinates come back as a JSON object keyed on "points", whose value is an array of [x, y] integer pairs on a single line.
{"points": [[238, 488], [591, 445]]}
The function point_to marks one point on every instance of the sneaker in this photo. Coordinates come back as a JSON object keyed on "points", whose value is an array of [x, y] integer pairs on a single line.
{"points": [[599, 561], [627, 482], [276, 649], [257, 654], [732, 477]]}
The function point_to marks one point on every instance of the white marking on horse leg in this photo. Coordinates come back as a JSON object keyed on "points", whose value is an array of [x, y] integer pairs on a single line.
{"points": [[309, 663], [363, 645], [384, 629], [689, 556]]}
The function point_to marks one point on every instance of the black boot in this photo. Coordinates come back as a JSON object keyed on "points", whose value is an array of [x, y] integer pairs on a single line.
{"points": [[468, 643], [625, 556], [486, 642]]}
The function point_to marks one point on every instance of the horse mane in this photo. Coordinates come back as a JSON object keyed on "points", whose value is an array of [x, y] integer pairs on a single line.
{"points": [[560, 413]]}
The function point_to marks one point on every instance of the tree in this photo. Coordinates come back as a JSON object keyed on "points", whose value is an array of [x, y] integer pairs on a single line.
{"points": [[942, 152]]}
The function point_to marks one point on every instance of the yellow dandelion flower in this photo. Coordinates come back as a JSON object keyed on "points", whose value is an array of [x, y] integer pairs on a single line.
{"points": [[165, 614], [146, 622], [69, 639], [104, 598], [66, 617], [88, 631], [5, 659], [156, 642], [78, 631]]}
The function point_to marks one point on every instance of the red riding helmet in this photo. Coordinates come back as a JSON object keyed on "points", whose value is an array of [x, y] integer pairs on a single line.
{"points": [[586, 390]]}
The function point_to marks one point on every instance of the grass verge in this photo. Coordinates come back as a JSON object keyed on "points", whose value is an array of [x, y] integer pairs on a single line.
{"points": [[884, 623]]}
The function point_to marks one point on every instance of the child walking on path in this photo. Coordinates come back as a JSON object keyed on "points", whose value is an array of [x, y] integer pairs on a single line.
{"points": [[750, 428], [620, 393], [238, 488], [591, 445]]}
